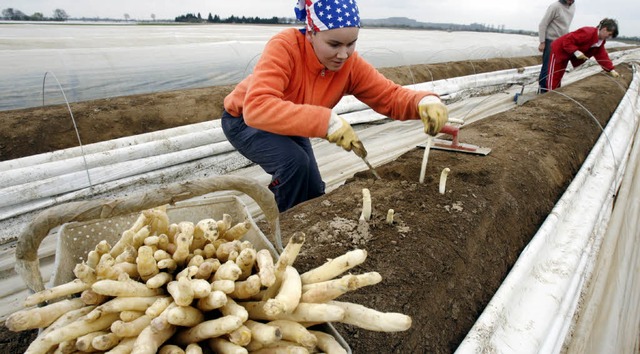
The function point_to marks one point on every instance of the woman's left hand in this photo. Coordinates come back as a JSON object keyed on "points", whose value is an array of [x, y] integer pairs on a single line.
{"points": [[434, 114]]}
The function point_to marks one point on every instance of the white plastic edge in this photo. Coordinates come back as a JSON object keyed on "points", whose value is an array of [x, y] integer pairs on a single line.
{"points": [[533, 310]]}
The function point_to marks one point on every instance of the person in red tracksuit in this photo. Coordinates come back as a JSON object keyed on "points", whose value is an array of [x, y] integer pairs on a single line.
{"points": [[578, 46]]}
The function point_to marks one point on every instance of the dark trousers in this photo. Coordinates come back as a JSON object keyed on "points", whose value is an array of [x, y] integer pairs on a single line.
{"points": [[289, 160], [544, 70]]}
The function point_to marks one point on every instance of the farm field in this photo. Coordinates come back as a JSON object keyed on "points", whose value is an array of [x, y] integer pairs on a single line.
{"points": [[445, 255]]}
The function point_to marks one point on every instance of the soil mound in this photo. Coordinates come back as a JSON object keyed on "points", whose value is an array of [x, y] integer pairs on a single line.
{"points": [[445, 255]]}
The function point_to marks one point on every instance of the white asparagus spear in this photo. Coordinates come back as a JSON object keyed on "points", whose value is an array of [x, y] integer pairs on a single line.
{"points": [[334, 267], [295, 332], [425, 157], [390, 213], [373, 320], [73, 287], [41, 316], [304, 312], [208, 329], [286, 258], [222, 345], [288, 296], [266, 268], [262, 332], [443, 179], [366, 205], [327, 343]]}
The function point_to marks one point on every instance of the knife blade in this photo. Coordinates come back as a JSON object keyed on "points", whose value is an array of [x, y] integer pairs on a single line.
{"points": [[361, 152]]}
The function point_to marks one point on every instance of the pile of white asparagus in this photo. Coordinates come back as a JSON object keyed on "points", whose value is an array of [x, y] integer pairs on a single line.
{"points": [[193, 288]]}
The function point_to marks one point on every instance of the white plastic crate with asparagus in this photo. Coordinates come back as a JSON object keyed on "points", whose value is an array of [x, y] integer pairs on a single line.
{"points": [[179, 278]]}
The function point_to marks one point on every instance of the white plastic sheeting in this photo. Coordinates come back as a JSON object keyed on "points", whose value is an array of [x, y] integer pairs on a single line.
{"points": [[582, 262], [26, 182], [39, 181], [608, 319], [98, 61]]}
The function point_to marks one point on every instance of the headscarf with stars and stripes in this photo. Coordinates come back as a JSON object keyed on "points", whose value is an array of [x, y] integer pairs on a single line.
{"points": [[322, 15]]}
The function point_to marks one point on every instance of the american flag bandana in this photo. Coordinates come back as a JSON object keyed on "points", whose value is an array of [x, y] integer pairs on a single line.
{"points": [[322, 15]]}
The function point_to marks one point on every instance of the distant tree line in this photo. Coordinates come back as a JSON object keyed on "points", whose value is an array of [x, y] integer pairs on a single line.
{"points": [[17, 15], [191, 18], [392, 22], [407, 23], [404, 22]]}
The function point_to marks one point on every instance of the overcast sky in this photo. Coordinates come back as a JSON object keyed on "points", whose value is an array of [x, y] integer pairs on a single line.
{"points": [[520, 14]]}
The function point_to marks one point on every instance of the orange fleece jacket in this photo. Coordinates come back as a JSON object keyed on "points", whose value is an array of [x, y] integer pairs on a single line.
{"points": [[291, 93]]}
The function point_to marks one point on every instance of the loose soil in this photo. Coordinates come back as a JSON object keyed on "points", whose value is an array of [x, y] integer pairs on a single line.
{"points": [[444, 255]]}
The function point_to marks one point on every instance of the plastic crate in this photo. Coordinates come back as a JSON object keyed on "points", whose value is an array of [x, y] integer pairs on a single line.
{"points": [[77, 239]]}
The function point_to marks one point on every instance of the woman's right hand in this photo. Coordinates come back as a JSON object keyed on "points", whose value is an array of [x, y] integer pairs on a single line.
{"points": [[342, 134]]}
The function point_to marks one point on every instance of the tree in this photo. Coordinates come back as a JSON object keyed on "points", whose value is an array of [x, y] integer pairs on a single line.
{"points": [[7, 13], [153, 17], [126, 17], [191, 18], [14, 15], [60, 15], [37, 16], [231, 19]]}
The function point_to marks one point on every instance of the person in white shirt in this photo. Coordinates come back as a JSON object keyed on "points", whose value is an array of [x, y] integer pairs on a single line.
{"points": [[555, 23]]}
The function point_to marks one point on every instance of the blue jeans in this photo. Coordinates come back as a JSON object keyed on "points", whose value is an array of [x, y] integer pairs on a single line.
{"points": [[289, 160], [544, 70]]}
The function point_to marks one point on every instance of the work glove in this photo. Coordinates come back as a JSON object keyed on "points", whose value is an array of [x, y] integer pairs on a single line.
{"points": [[580, 55], [434, 114], [342, 134], [613, 74]]}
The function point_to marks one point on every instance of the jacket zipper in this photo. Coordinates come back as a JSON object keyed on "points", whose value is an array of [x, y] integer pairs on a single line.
{"points": [[313, 89]]}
